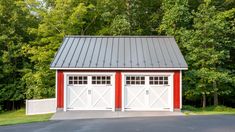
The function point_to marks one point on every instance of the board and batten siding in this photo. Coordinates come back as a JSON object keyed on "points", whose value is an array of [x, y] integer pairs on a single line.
{"points": [[118, 87], [60, 89]]}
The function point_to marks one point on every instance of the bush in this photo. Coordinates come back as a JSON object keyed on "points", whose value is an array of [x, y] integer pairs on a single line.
{"points": [[220, 108]]}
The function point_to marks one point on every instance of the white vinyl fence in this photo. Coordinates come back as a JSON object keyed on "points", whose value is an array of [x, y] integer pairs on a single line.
{"points": [[40, 106]]}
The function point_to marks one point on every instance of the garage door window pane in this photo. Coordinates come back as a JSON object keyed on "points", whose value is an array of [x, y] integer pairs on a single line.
{"points": [[166, 82], [74, 80], [142, 82], [101, 80], [166, 78], [132, 82], [135, 80], [158, 80]]}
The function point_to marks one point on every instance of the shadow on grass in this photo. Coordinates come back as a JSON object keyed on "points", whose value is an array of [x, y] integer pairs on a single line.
{"points": [[19, 117]]}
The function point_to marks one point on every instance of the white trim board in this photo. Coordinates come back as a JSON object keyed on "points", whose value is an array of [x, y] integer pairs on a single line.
{"points": [[119, 68], [56, 85], [181, 90]]}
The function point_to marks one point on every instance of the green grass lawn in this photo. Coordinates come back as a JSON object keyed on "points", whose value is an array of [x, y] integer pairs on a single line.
{"points": [[212, 110], [18, 117]]}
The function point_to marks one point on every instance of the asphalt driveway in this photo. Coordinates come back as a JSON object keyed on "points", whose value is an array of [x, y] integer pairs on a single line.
{"points": [[215, 123]]}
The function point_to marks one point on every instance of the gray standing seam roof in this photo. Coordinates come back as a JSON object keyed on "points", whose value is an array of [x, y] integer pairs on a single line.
{"points": [[119, 52]]}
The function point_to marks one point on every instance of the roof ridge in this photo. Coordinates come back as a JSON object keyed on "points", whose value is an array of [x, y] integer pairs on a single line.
{"points": [[119, 36]]}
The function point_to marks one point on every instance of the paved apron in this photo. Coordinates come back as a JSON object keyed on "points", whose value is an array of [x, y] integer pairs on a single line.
{"points": [[71, 115]]}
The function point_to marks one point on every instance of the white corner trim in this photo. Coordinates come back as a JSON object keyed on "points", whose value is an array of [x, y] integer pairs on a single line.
{"points": [[123, 96], [113, 91], [56, 87], [65, 92], [181, 89], [119, 68]]}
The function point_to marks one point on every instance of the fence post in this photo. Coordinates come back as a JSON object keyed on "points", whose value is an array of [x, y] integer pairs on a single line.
{"points": [[26, 105]]}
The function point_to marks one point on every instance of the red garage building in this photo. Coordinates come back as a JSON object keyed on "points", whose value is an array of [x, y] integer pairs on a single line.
{"points": [[127, 73]]}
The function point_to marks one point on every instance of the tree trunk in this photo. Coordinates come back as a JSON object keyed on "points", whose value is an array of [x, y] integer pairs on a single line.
{"points": [[216, 102], [203, 100], [13, 105]]}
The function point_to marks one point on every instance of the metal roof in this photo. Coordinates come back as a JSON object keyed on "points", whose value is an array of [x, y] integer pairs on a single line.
{"points": [[94, 52]]}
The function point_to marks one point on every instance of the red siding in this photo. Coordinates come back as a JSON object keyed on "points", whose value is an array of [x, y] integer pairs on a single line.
{"points": [[60, 89], [177, 90], [118, 90]]}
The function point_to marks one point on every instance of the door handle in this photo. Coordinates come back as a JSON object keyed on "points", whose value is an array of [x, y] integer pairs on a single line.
{"points": [[147, 92], [89, 91]]}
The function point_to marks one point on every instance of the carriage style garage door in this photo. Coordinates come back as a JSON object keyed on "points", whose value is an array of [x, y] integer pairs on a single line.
{"points": [[89, 92], [148, 92]]}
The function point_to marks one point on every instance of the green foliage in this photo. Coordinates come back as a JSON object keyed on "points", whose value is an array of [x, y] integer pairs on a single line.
{"points": [[205, 45], [176, 16], [219, 108], [120, 26], [15, 19]]}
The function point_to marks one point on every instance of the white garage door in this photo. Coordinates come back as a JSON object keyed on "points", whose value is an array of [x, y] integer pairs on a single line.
{"points": [[90, 92], [148, 92]]}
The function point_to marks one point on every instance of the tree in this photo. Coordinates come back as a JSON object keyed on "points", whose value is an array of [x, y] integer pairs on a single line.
{"points": [[176, 17], [15, 19], [60, 18], [206, 52]]}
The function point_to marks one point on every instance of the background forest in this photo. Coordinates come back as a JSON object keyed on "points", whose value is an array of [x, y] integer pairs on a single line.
{"points": [[32, 30]]}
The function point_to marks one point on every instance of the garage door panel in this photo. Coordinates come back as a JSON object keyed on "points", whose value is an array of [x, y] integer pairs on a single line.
{"points": [[154, 94], [77, 96], [135, 97], [89, 92], [158, 97], [102, 97], [159, 100]]}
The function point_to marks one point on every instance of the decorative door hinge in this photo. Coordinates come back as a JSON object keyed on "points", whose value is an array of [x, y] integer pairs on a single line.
{"points": [[127, 108], [108, 108]]}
